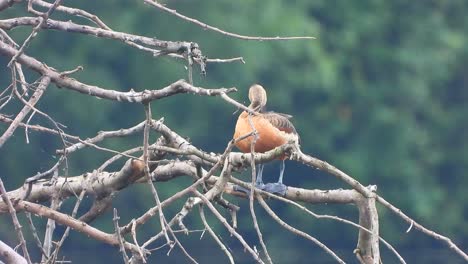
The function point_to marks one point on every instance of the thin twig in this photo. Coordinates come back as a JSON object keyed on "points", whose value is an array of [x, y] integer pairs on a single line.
{"points": [[240, 59], [38, 128], [295, 193], [147, 215], [50, 228], [252, 188], [216, 190], [22, 79], [45, 81], [6, 37], [421, 228], [16, 222], [214, 236], [35, 30], [67, 231], [339, 219], [101, 136], [119, 237], [34, 233], [295, 231], [75, 224], [135, 241], [229, 227], [308, 160], [146, 131], [177, 242], [74, 12], [215, 29], [47, 172]]}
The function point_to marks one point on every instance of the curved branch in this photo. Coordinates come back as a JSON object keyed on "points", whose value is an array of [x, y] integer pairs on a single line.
{"points": [[16, 222], [421, 228], [75, 224], [177, 87], [215, 29], [297, 232], [9, 255], [169, 46], [44, 83]]}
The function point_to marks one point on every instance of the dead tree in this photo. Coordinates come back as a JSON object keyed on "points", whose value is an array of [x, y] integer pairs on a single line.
{"points": [[170, 156]]}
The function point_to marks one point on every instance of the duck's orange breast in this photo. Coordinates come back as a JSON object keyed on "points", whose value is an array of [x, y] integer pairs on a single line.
{"points": [[269, 137]]}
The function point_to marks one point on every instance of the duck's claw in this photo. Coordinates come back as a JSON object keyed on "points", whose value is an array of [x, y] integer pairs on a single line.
{"points": [[276, 188], [238, 188]]}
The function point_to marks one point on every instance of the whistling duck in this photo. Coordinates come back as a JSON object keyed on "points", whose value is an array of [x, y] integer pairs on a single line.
{"points": [[274, 130]]}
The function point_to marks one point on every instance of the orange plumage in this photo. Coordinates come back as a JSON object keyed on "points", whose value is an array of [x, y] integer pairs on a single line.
{"points": [[273, 129]]}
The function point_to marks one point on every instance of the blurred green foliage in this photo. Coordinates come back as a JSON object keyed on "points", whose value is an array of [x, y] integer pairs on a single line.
{"points": [[382, 94]]}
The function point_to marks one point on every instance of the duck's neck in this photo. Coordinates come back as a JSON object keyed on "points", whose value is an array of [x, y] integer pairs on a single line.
{"points": [[257, 106]]}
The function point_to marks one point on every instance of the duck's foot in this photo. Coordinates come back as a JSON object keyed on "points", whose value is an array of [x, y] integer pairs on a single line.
{"points": [[238, 188], [276, 188]]}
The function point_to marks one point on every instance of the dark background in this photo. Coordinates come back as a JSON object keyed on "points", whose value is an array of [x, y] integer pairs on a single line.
{"points": [[381, 93]]}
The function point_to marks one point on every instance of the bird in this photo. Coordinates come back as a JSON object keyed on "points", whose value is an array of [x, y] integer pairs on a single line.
{"points": [[273, 130]]}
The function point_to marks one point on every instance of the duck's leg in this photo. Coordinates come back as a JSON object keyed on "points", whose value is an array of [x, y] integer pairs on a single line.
{"points": [[258, 181], [280, 179], [279, 187]]}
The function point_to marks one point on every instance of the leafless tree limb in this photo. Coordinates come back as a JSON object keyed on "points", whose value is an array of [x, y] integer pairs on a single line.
{"points": [[43, 19], [421, 228], [67, 231], [74, 12], [229, 227], [252, 189], [34, 233], [167, 46], [295, 231], [21, 115], [169, 157], [215, 29], [135, 241], [162, 218], [101, 136], [214, 236], [67, 220], [120, 238], [16, 224], [132, 96], [240, 59], [4, 4], [9, 255], [50, 228]]}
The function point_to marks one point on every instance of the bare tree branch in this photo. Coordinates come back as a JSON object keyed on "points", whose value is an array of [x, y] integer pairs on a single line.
{"points": [[169, 157], [45, 81], [67, 231], [16, 224], [295, 231], [77, 225], [4, 4], [9, 255], [166, 46], [43, 19], [215, 29], [133, 97], [74, 12], [214, 236], [50, 228], [120, 238], [229, 227], [421, 228]]}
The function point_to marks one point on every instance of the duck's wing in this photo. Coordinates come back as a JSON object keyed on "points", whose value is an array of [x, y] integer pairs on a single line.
{"points": [[280, 121]]}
